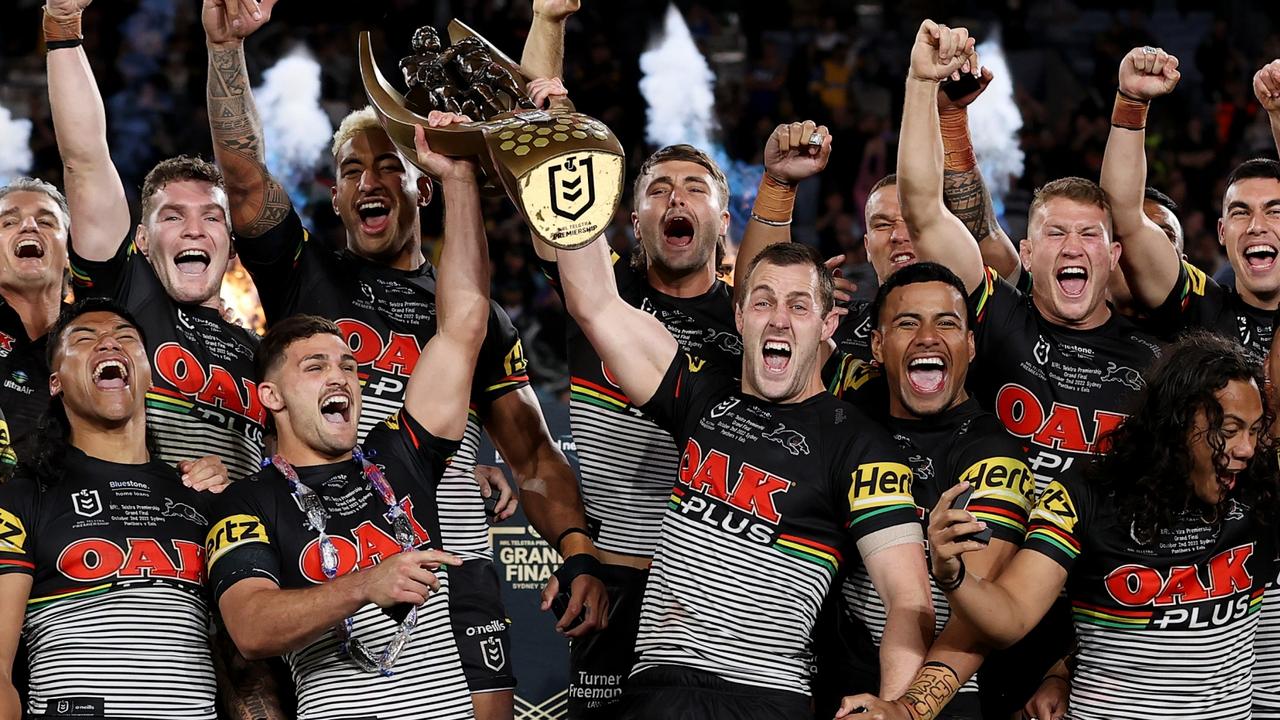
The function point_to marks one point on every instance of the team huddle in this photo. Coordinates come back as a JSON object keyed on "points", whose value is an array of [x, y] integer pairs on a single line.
{"points": [[1037, 479]]}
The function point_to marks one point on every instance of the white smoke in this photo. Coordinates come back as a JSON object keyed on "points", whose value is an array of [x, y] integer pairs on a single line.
{"points": [[678, 86], [15, 146], [679, 91], [994, 122], [297, 130]]}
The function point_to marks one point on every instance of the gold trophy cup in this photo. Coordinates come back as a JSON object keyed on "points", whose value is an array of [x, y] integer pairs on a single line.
{"points": [[563, 170]]}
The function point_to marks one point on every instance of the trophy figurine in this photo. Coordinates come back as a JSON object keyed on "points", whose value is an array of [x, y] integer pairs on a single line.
{"points": [[563, 170]]}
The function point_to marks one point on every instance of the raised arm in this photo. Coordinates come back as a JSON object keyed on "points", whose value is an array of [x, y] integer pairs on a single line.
{"points": [[99, 211], [1266, 87], [1150, 262], [258, 202], [543, 54], [439, 390], [789, 158], [636, 347], [963, 191], [937, 235]]}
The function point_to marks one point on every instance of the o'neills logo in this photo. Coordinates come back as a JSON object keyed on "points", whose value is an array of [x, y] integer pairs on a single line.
{"points": [[1061, 427], [1138, 585], [213, 385], [368, 546], [397, 354], [97, 559], [749, 496]]}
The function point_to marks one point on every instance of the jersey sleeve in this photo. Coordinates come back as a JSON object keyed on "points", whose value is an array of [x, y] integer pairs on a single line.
{"points": [[18, 499], [125, 277], [402, 437], [857, 382], [239, 544], [1004, 487], [877, 495], [274, 260], [687, 389], [998, 307], [501, 365], [1059, 522], [1196, 300]]}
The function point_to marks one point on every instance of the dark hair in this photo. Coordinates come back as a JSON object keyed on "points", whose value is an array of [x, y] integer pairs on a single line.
{"points": [[1147, 463], [920, 272], [784, 254], [177, 169], [1264, 168], [42, 452], [687, 153], [84, 307], [1160, 199], [286, 332]]}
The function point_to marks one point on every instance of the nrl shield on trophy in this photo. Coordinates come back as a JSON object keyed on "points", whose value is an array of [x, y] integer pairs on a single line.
{"points": [[562, 169]]}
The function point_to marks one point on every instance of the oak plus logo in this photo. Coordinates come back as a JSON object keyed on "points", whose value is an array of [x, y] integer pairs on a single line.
{"points": [[743, 503], [1060, 426], [1188, 596]]}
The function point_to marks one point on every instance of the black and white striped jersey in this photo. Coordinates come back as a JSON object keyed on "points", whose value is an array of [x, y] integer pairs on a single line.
{"points": [[387, 316], [203, 398], [769, 498], [260, 531], [1165, 628], [964, 443], [117, 622], [627, 463]]}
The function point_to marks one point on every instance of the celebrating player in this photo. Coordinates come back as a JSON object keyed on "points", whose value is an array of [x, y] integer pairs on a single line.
{"points": [[102, 562], [306, 555], [168, 274]]}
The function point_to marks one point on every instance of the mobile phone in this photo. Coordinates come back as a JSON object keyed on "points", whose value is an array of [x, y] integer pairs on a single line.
{"points": [[956, 89], [962, 503], [491, 508], [560, 605]]}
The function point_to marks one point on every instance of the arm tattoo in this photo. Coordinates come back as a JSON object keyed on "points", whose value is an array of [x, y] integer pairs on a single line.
{"points": [[237, 142], [933, 688], [967, 198], [249, 689]]}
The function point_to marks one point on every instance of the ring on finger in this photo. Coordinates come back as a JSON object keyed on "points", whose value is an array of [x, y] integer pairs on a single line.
{"points": [[1148, 50], [815, 139]]}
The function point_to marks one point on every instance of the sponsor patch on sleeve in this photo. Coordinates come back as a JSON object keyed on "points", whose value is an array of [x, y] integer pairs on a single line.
{"points": [[232, 532], [13, 535], [878, 485]]}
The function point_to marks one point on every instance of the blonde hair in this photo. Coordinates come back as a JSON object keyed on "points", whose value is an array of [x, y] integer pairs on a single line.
{"points": [[357, 121]]}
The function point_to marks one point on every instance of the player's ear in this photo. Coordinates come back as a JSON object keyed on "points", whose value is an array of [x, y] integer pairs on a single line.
{"points": [[877, 346], [425, 190], [1024, 253], [269, 394], [140, 239]]}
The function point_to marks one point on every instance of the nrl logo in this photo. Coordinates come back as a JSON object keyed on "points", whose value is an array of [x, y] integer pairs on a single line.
{"points": [[573, 187]]}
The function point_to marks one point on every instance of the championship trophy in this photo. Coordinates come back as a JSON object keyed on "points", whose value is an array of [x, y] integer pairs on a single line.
{"points": [[563, 170]]}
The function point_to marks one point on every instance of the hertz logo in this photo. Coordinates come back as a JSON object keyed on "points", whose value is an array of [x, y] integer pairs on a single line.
{"points": [[879, 480], [1004, 478], [13, 536], [1055, 507], [232, 532]]}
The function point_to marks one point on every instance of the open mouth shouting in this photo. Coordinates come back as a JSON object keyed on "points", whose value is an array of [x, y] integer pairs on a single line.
{"points": [[901, 258], [1260, 257], [192, 261], [335, 408], [777, 356], [375, 215], [1072, 280], [111, 374], [927, 373], [29, 248], [677, 230]]}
